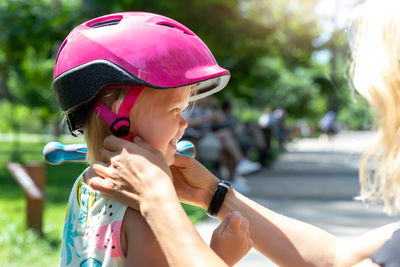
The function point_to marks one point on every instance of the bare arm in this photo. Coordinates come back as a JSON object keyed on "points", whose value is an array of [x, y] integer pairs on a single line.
{"points": [[286, 241], [179, 240], [359, 249], [366, 263]]}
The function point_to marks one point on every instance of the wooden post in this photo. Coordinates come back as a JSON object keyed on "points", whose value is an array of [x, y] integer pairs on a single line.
{"points": [[32, 180], [35, 206]]}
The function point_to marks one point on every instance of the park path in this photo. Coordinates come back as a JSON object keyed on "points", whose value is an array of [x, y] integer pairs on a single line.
{"points": [[314, 181]]}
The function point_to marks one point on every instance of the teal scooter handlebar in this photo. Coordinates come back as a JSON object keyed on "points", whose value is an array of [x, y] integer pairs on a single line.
{"points": [[56, 153]]}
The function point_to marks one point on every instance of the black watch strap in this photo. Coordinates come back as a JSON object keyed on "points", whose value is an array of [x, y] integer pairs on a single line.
{"points": [[218, 198]]}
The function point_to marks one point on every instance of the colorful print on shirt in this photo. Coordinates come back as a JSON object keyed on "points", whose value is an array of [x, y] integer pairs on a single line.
{"points": [[92, 229]]}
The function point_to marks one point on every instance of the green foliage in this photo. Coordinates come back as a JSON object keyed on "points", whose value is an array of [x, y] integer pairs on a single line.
{"points": [[293, 89], [18, 117], [29, 35], [268, 46], [356, 112]]}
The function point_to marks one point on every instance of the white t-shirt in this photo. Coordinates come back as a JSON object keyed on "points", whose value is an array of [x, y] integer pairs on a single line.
{"points": [[92, 229]]}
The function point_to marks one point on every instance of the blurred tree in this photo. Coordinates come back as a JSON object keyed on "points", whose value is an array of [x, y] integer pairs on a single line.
{"points": [[267, 46], [285, 75], [236, 41], [29, 38], [336, 89], [27, 35]]}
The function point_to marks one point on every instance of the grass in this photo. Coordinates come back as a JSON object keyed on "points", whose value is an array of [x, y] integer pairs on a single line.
{"points": [[22, 247]]}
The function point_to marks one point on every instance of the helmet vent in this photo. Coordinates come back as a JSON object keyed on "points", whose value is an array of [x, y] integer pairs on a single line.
{"points": [[173, 27], [105, 23]]}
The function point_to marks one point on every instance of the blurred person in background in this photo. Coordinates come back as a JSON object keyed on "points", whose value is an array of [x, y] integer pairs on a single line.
{"points": [[249, 136], [328, 123], [207, 119], [279, 127]]}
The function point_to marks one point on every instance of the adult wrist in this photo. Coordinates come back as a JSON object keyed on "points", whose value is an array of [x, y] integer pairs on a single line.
{"points": [[218, 198], [209, 193], [157, 196], [157, 203]]}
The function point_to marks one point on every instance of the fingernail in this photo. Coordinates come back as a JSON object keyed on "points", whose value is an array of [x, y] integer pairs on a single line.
{"points": [[236, 213], [137, 138]]}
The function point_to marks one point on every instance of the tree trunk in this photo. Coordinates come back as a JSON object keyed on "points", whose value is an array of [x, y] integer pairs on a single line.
{"points": [[5, 91]]}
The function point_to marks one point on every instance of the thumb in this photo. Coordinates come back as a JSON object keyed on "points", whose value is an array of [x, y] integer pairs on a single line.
{"points": [[234, 222], [222, 226], [137, 139], [182, 160], [141, 143]]}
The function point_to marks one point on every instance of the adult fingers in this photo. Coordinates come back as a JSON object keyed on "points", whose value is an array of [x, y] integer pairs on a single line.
{"points": [[250, 244], [182, 160], [102, 184], [219, 231], [225, 222], [109, 187], [143, 144], [114, 143], [234, 222], [106, 154], [244, 226], [102, 169]]}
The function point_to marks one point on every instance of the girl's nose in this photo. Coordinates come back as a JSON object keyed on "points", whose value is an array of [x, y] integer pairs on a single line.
{"points": [[183, 123]]}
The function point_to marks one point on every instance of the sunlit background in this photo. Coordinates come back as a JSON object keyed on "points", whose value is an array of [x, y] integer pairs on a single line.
{"points": [[290, 54], [285, 53]]}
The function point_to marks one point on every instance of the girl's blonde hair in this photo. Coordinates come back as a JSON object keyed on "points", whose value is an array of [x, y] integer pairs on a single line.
{"points": [[376, 76], [95, 128]]}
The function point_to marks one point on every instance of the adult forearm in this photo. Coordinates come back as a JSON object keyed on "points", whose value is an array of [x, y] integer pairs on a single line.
{"points": [[177, 236], [284, 240]]}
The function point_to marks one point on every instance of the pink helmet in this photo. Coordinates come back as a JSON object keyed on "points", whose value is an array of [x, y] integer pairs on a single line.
{"points": [[128, 49]]}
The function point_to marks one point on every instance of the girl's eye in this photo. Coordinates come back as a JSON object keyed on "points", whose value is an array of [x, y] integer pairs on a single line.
{"points": [[176, 109]]}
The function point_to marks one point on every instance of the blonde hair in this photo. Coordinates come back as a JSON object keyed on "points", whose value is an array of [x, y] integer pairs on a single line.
{"points": [[95, 128], [376, 76]]}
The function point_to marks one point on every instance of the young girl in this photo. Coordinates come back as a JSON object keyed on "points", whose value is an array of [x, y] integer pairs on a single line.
{"points": [[131, 74]]}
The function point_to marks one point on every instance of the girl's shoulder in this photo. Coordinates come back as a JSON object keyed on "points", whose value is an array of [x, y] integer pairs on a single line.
{"points": [[136, 228], [143, 248]]}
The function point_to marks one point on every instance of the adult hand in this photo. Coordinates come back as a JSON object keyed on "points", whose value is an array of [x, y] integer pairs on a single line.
{"points": [[194, 184], [136, 172]]}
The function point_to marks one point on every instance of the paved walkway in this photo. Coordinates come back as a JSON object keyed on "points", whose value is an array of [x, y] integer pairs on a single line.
{"points": [[315, 181]]}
